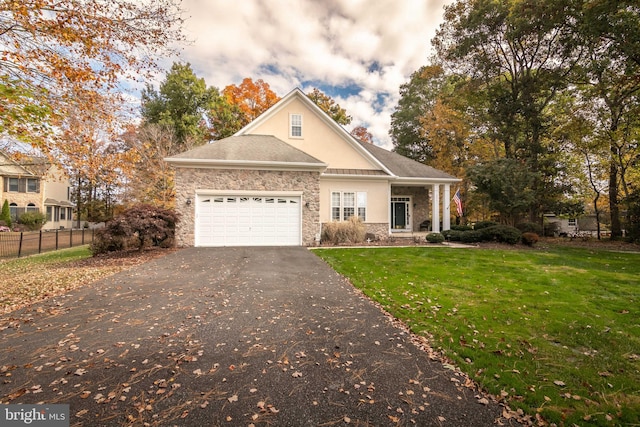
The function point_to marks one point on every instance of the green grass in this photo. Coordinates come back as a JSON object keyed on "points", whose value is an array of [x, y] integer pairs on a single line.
{"points": [[47, 258], [556, 331]]}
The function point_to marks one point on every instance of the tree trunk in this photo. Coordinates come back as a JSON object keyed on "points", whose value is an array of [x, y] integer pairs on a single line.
{"points": [[616, 228]]}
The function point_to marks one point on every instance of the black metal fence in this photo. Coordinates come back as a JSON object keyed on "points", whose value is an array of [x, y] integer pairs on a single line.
{"points": [[13, 245]]}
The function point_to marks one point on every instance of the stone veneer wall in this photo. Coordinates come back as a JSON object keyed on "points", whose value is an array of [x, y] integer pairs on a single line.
{"points": [[381, 231], [420, 198], [188, 180]]}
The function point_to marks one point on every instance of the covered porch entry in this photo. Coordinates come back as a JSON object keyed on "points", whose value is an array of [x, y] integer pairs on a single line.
{"points": [[415, 208]]}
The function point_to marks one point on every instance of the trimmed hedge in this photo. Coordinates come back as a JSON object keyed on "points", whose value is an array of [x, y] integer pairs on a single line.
{"points": [[493, 233], [435, 238], [484, 224], [502, 234]]}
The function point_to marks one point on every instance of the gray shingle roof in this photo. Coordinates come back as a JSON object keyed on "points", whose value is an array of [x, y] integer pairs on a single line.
{"points": [[404, 167], [253, 148]]}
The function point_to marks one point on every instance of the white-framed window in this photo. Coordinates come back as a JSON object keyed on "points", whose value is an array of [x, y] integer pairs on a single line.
{"points": [[33, 185], [295, 128], [572, 222], [14, 184], [345, 204], [31, 207]]}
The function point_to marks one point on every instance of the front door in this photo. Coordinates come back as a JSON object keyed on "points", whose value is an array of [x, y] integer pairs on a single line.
{"points": [[400, 214]]}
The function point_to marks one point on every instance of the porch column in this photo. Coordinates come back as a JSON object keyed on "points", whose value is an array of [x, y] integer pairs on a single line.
{"points": [[435, 209], [446, 208]]}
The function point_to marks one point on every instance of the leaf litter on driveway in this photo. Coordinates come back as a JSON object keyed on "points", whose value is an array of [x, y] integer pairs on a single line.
{"points": [[198, 342]]}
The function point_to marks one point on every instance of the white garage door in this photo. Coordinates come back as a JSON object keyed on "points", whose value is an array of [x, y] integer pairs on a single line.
{"points": [[248, 221]]}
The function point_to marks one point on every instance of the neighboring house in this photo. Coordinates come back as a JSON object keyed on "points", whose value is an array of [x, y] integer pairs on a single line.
{"points": [[293, 169], [35, 185], [584, 226]]}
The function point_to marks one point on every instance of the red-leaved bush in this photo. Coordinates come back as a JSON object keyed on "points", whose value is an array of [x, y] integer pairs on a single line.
{"points": [[137, 227]]}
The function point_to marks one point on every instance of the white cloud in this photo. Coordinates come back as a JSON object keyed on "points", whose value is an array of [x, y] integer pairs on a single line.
{"points": [[372, 44]]}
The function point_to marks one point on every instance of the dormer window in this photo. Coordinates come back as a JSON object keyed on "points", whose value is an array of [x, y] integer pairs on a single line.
{"points": [[295, 129]]}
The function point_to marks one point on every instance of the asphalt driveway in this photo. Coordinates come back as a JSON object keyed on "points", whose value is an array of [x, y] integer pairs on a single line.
{"points": [[229, 337]]}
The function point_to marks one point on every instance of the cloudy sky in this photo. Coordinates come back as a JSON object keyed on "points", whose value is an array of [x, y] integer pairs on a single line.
{"points": [[357, 51]]}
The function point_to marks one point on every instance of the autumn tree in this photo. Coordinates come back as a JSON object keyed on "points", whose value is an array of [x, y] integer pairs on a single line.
{"points": [[519, 57], [252, 98], [182, 103], [95, 161], [330, 106], [362, 133], [51, 50], [152, 180], [417, 96], [609, 77]]}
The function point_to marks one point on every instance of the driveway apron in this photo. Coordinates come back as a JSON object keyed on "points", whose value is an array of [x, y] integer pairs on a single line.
{"points": [[229, 337]]}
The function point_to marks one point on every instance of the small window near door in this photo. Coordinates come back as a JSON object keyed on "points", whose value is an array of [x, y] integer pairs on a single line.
{"points": [[295, 130]]}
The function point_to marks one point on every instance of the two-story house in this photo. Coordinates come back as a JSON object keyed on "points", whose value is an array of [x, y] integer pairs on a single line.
{"points": [[34, 184]]}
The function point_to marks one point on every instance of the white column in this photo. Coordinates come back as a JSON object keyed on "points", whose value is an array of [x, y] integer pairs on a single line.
{"points": [[435, 209], [446, 208]]}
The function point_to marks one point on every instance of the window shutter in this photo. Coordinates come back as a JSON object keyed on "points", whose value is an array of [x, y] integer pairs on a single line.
{"points": [[6, 184], [37, 185]]}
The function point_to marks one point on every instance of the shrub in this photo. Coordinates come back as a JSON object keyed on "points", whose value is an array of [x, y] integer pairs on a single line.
{"points": [[529, 239], [435, 238], [452, 235], [472, 236], [139, 226], [461, 227], [32, 220], [484, 224], [529, 227], [5, 214], [351, 231], [502, 234]]}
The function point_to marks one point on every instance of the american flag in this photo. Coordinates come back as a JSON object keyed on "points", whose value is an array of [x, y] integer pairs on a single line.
{"points": [[458, 202]]}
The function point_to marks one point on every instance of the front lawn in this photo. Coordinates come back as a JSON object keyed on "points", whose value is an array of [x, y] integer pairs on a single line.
{"points": [[39, 277], [554, 331]]}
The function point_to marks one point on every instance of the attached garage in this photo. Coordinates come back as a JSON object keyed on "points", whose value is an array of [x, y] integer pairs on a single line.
{"points": [[248, 220]]}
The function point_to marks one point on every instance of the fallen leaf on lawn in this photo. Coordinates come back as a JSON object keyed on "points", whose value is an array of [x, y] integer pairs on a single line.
{"points": [[85, 394], [233, 398], [80, 371], [559, 383], [483, 401], [79, 414], [442, 419], [229, 418], [347, 420], [205, 404], [296, 374], [198, 372]]}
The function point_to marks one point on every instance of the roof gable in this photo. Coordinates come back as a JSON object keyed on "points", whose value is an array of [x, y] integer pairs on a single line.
{"points": [[322, 137]]}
